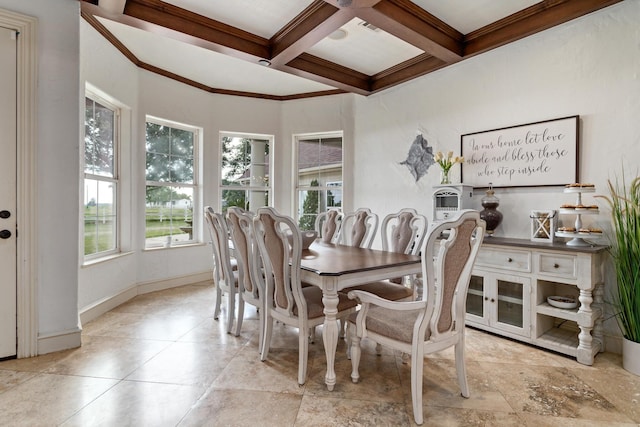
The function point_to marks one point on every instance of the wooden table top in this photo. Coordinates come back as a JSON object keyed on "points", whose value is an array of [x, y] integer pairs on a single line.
{"points": [[327, 259]]}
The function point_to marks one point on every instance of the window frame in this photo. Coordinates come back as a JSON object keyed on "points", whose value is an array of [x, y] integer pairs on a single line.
{"points": [[329, 185], [246, 188], [196, 203], [105, 101]]}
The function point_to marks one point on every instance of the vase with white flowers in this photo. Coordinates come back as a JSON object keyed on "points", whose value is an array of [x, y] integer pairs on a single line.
{"points": [[446, 163]]}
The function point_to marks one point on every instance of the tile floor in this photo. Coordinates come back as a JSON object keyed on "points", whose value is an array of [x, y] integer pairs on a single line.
{"points": [[161, 360]]}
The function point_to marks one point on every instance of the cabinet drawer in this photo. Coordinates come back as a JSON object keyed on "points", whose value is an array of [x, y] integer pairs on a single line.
{"points": [[558, 265], [507, 260]]}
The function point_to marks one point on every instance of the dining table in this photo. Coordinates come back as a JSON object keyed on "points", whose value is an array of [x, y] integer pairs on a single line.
{"points": [[333, 267]]}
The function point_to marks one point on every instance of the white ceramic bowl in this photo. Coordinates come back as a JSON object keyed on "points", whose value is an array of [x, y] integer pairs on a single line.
{"points": [[562, 302], [308, 237]]}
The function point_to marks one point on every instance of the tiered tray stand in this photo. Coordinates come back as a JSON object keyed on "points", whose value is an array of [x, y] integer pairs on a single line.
{"points": [[577, 237]]}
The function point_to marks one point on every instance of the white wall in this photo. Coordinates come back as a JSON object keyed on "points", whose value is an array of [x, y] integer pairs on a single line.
{"points": [[587, 67], [57, 157]]}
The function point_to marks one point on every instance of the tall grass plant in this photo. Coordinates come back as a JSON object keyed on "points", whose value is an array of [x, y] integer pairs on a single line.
{"points": [[624, 201]]}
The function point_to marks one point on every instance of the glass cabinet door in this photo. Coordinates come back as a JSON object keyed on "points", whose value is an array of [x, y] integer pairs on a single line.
{"points": [[510, 296], [475, 296]]}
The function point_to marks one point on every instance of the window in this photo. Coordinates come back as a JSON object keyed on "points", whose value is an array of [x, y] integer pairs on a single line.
{"points": [[101, 186], [245, 171], [319, 177], [172, 208]]}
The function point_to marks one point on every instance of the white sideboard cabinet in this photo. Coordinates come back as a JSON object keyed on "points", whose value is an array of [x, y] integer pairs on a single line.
{"points": [[511, 281]]}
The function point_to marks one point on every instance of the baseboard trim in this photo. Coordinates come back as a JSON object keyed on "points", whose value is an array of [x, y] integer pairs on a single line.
{"points": [[101, 307], [173, 282], [49, 343]]}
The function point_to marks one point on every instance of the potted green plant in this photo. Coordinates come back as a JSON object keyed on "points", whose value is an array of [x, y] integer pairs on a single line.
{"points": [[625, 250]]}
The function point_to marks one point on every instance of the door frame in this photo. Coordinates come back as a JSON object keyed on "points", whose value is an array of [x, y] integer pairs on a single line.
{"points": [[26, 127]]}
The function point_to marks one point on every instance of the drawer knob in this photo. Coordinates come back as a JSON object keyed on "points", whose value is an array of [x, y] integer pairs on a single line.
{"points": [[492, 300], [555, 266], [509, 260]]}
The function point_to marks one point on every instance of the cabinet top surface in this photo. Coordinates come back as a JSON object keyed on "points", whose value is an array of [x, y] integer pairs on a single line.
{"points": [[555, 246]]}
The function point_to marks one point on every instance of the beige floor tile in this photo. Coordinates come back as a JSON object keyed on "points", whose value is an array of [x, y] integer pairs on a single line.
{"points": [[185, 363], [328, 411], [50, 399], [10, 379], [223, 407], [107, 357], [552, 391], [132, 403], [279, 373]]}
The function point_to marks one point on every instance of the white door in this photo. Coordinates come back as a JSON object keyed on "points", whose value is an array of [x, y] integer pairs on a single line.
{"points": [[8, 251]]}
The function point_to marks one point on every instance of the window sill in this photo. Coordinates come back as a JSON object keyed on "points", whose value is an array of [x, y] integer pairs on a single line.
{"points": [[187, 245], [107, 258]]}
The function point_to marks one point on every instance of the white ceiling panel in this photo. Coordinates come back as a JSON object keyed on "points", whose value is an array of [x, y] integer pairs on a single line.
{"points": [[263, 18], [469, 15], [207, 67], [363, 49]]}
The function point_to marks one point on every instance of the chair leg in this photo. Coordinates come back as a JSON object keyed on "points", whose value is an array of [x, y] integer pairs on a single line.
{"points": [[417, 363], [216, 311], [350, 331], [231, 310], [378, 349], [461, 369], [312, 335], [266, 339], [261, 327], [355, 354], [303, 353], [240, 315]]}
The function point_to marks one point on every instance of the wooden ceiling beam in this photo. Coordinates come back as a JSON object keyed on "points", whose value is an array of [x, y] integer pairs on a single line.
{"points": [[196, 29], [312, 25], [410, 23], [327, 72], [539, 17], [406, 71]]}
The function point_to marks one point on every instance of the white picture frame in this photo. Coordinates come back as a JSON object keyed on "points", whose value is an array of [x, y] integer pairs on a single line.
{"points": [[531, 155]]}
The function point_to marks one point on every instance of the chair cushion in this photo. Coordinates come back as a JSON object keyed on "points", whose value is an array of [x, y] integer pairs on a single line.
{"points": [[394, 324], [315, 308], [384, 289]]}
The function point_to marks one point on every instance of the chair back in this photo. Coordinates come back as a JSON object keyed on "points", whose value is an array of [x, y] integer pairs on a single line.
{"points": [[240, 223], [447, 263], [280, 245], [403, 231], [359, 228], [217, 226], [328, 225]]}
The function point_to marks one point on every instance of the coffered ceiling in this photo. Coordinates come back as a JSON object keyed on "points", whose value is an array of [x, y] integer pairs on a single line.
{"points": [[287, 49]]}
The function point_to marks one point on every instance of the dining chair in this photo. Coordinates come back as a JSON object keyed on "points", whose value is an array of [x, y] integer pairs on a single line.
{"points": [[250, 281], [402, 232], [359, 228], [286, 300], [225, 277], [328, 225], [435, 323]]}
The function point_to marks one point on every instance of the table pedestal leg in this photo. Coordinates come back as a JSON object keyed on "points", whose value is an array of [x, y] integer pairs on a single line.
{"points": [[330, 334]]}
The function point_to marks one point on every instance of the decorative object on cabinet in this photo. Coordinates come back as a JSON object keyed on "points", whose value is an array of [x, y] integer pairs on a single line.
{"points": [[510, 284], [448, 199], [562, 302], [446, 163], [625, 215], [491, 215], [578, 233], [530, 155], [543, 225]]}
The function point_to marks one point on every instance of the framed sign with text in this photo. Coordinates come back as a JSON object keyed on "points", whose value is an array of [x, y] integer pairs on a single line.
{"points": [[530, 155]]}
